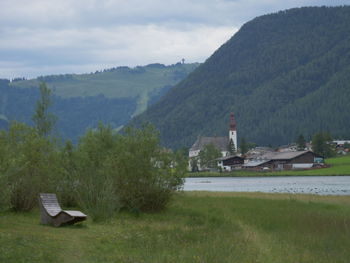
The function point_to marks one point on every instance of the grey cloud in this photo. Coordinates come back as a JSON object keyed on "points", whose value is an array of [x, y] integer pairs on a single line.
{"points": [[47, 36]]}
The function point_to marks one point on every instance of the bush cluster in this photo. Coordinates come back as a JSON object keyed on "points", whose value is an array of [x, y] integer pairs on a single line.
{"points": [[102, 174], [26, 166]]}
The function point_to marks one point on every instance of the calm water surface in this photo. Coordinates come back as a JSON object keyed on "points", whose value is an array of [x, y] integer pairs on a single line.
{"points": [[322, 185]]}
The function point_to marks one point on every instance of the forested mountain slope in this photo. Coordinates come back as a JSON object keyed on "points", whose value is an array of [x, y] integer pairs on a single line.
{"points": [[282, 74], [80, 101]]}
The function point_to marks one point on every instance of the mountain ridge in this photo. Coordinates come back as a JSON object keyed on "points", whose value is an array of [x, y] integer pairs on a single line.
{"points": [[266, 73]]}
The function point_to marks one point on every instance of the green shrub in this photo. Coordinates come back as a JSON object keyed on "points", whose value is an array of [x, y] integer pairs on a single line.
{"points": [[125, 171], [67, 180], [5, 193], [29, 166], [104, 173], [95, 190], [145, 175]]}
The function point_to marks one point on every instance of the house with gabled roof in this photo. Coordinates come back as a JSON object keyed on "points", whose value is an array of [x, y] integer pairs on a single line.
{"points": [[285, 161], [229, 163], [220, 143]]}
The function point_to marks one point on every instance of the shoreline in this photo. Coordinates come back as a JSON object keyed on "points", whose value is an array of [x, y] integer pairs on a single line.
{"points": [[230, 175]]}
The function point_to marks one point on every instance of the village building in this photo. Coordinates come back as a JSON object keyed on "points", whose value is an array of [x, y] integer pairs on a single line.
{"points": [[220, 143], [260, 158], [288, 148], [342, 146], [257, 153], [341, 143], [285, 161], [230, 163]]}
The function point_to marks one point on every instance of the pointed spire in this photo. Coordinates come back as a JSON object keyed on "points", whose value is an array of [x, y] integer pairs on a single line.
{"points": [[232, 122]]}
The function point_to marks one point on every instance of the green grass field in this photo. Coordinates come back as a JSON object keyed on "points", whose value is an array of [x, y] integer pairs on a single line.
{"points": [[197, 227], [338, 166]]}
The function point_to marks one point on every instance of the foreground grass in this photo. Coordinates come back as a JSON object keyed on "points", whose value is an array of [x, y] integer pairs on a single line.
{"points": [[338, 166], [197, 227]]}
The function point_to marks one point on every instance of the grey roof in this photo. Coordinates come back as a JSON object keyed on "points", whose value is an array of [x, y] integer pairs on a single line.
{"points": [[221, 143], [255, 163], [258, 151], [282, 155], [261, 149]]}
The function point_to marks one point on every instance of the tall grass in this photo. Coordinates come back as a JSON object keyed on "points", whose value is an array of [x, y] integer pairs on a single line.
{"points": [[196, 227]]}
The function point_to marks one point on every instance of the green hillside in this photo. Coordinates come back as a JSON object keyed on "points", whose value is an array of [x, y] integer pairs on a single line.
{"points": [[80, 102], [283, 74], [140, 83]]}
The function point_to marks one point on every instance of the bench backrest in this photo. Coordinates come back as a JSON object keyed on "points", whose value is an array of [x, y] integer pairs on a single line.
{"points": [[50, 204]]}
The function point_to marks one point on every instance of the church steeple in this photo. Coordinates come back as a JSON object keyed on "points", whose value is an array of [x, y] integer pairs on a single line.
{"points": [[233, 130], [232, 122]]}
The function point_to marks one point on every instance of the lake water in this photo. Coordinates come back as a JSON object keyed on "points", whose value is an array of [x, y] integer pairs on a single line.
{"points": [[322, 185]]}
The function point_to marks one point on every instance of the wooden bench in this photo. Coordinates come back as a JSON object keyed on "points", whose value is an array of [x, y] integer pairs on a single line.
{"points": [[51, 212]]}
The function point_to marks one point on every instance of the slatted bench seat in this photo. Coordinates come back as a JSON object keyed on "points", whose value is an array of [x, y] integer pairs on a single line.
{"points": [[51, 212]]}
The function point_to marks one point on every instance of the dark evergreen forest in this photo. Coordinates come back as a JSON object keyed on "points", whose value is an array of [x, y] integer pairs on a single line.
{"points": [[282, 74], [74, 115]]}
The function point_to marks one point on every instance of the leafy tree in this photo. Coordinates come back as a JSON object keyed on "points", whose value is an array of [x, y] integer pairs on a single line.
{"points": [[301, 143], [67, 185], [5, 193], [322, 144], [30, 166], [146, 175], [96, 191], [43, 120], [232, 147], [183, 151], [318, 143], [244, 146], [208, 155], [126, 171]]}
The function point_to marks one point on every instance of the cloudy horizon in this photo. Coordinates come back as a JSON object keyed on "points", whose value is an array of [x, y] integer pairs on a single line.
{"points": [[44, 37]]}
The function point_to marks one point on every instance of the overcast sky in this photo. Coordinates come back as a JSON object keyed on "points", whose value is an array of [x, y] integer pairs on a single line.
{"points": [[42, 37]]}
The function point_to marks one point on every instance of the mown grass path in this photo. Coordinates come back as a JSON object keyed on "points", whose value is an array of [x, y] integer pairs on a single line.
{"points": [[197, 227]]}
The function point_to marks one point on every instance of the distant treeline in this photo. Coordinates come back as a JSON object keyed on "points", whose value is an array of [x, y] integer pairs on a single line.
{"points": [[75, 115]]}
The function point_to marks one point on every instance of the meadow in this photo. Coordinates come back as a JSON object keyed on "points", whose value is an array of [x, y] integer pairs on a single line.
{"points": [[196, 227], [337, 166]]}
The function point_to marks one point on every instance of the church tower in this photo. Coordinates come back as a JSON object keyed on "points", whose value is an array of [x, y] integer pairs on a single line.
{"points": [[233, 130]]}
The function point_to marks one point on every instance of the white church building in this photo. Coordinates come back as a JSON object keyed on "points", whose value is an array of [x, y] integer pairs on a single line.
{"points": [[221, 143]]}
